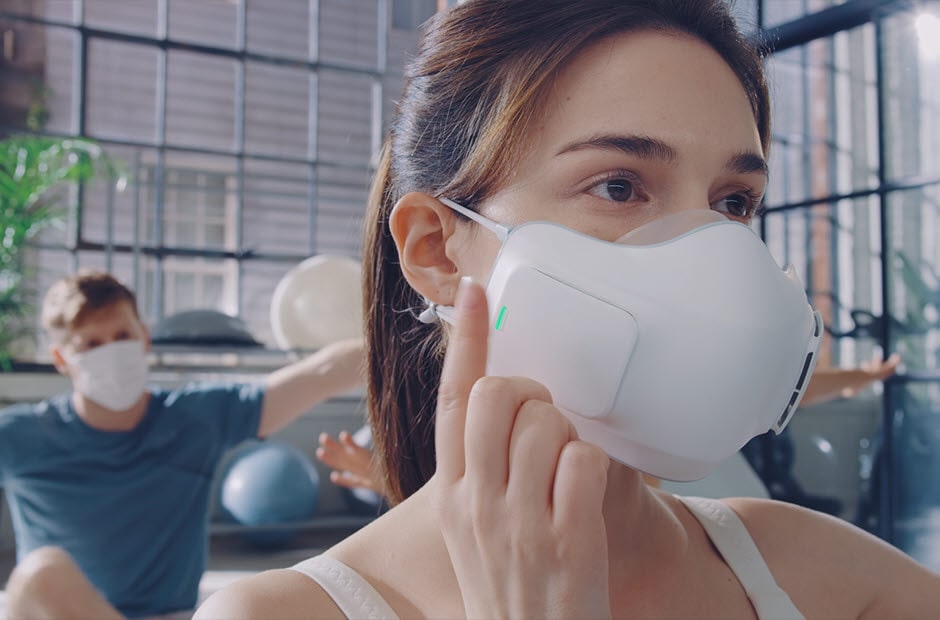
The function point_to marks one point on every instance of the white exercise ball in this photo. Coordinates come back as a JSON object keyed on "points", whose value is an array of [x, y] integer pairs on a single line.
{"points": [[318, 302]]}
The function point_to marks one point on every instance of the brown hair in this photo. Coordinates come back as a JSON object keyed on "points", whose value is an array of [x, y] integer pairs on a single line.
{"points": [[470, 97], [73, 298]]}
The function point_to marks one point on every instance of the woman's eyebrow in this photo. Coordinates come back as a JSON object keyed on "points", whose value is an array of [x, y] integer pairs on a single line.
{"points": [[645, 147], [639, 146], [747, 162]]}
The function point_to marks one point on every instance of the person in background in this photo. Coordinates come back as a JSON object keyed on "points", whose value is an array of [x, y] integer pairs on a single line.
{"points": [[582, 121], [109, 484]]}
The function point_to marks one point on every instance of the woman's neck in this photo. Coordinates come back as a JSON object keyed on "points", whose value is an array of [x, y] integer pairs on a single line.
{"points": [[641, 527]]}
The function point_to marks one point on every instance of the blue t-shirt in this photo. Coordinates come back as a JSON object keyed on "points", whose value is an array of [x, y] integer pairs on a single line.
{"points": [[130, 507]]}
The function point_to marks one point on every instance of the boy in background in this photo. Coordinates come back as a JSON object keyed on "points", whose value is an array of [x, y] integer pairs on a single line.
{"points": [[109, 485]]}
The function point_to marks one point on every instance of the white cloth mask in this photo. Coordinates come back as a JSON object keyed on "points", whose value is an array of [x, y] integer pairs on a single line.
{"points": [[669, 348], [114, 375]]}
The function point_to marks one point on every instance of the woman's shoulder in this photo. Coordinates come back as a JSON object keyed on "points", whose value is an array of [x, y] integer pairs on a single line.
{"points": [[778, 527], [833, 567], [371, 558], [278, 593]]}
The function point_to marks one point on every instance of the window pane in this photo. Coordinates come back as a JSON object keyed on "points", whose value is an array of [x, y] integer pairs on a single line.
{"points": [[276, 214], [345, 118], [277, 108], [915, 285], [777, 12], [58, 10], [342, 193], [109, 210], [200, 106], [279, 28], [122, 88], [137, 17], [912, 94], [198, 192], [347, 33], [207, 22], [60, 71], [410, 14], [199, 283], [825, 118]]}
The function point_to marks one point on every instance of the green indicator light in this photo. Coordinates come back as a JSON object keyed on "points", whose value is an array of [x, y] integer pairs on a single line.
{"points": [[500, 318]]}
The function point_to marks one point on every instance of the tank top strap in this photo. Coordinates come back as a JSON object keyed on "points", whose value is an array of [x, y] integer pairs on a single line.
{"points": [[355, 597], [730, 536]]}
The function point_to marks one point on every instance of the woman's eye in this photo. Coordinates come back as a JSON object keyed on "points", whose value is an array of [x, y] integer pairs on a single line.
{"points": [[736, 205], [618, 190]]}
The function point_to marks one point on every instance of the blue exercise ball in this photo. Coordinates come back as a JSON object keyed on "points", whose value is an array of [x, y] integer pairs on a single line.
{"points": [[269, 484]]}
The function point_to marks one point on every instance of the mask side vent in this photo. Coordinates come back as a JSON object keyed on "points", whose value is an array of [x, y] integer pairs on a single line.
{"points": [[795, 397], [809, 365]]}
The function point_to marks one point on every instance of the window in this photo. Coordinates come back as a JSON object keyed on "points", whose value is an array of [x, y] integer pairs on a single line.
{"points": [[854, 205], [248, 131], [409, 14], [198, 213]]}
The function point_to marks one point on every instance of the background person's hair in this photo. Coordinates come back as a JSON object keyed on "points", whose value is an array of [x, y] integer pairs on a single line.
{"points": [[73, 298], [471, 96]]}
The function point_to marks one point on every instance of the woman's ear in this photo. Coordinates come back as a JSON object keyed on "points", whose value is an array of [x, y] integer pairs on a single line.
{"points": [[422, 227]]}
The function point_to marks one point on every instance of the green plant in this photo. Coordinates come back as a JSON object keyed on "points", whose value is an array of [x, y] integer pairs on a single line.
{"points": [[32, 169]]}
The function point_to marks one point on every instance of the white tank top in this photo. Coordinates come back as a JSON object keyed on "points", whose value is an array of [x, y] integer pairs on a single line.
{"points": [[357, 599]]}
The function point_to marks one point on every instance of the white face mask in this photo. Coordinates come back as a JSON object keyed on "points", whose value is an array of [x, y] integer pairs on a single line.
{"points": [[669, 348], [113, 375]]}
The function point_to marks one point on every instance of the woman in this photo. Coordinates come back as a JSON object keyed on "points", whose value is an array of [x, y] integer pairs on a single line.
{"points": [[599, 115]]}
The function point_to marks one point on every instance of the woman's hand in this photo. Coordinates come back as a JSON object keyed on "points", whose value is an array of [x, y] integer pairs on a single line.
{"points": [[518, 496]]}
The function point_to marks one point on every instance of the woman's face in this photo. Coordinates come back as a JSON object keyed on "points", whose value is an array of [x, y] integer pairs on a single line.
{"points": [[638, 126]]}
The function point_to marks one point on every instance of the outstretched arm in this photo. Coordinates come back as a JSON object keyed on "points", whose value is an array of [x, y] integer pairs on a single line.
{"points": [[829, 383], [294, 389]]}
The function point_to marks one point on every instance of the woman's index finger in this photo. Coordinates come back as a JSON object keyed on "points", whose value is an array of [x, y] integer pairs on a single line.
{"points": [[464, 364]]}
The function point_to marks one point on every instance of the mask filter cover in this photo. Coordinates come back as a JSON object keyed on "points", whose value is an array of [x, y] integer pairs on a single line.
{"points": [[533, 338]]}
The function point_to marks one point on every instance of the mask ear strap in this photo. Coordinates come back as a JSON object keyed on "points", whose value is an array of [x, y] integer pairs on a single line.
{"points": [[436, 312], [497, 229]]}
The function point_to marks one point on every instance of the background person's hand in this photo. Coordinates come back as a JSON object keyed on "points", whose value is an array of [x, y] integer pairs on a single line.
{"points": [[828, 383], [353, 465], [875, 369], [518, 496]]}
